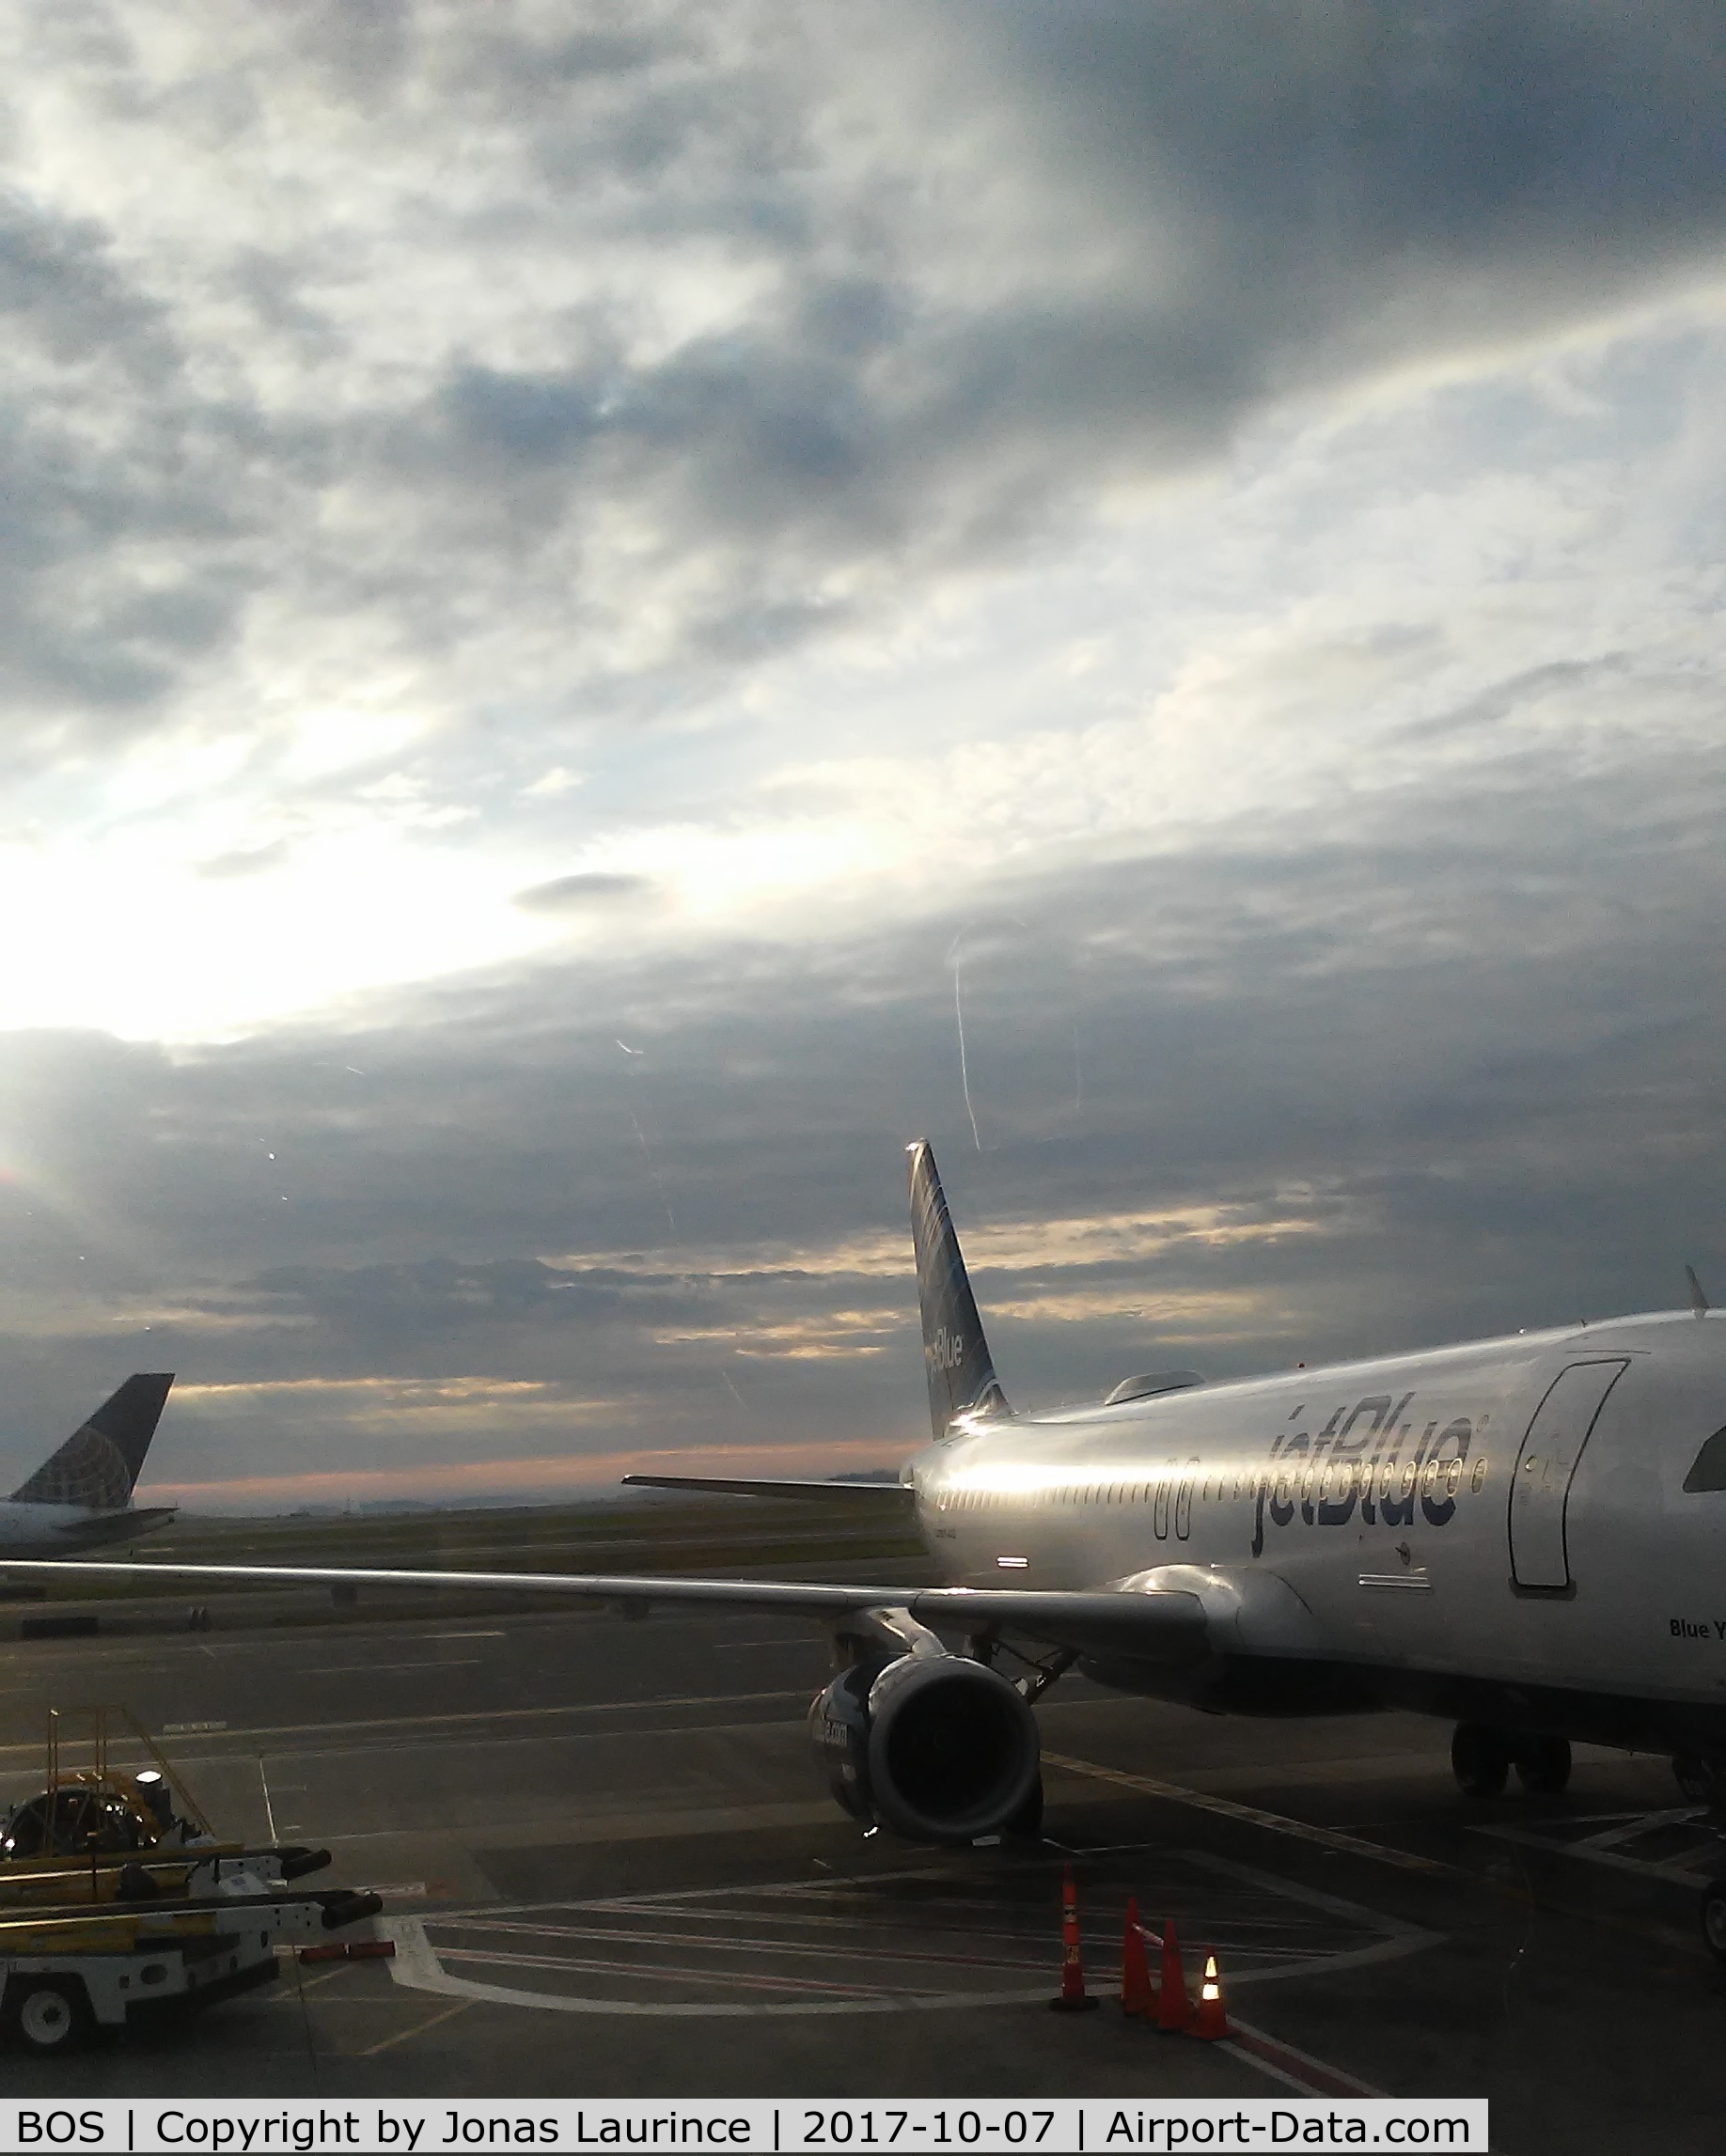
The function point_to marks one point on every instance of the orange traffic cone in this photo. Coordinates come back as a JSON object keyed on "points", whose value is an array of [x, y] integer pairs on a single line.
{"points": [[1209, 2020], [1073, 1998], [1134, 1971], [1173, 2014]]}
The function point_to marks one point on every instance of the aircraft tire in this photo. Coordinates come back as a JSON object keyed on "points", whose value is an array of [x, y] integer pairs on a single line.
{"points": [[1480, 1759], [1713, 1914], [1543, 1765]]}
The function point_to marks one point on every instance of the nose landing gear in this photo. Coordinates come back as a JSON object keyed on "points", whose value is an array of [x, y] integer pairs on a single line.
{"points": [[1482, 1758], [1543, 1765]]}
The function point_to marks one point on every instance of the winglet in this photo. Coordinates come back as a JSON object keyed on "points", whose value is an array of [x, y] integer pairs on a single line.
{"points": [[1699, 1302], [956, 1358]]}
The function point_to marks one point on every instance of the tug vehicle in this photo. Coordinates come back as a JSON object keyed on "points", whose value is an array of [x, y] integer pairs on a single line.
{"points": [[119, 1904]]}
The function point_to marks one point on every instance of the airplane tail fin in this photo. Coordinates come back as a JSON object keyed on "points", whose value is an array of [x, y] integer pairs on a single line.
{"points": [[100, 1462], [956, 1358]]}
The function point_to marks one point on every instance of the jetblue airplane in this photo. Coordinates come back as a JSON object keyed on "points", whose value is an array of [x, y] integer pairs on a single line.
{"points": [[82, 1494], [1521, 1535]]}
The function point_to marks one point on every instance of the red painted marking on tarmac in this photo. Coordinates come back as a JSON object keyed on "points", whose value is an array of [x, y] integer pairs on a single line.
{"points": [[1287, 2062], [1292, 2065]]}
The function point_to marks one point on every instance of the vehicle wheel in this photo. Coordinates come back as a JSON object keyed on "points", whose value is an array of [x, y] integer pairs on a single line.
{"points": [[1694, 1777], [1543, 1765], [1480, 1759], [1713, 1919], [1028, 1820], [48, 2013]]}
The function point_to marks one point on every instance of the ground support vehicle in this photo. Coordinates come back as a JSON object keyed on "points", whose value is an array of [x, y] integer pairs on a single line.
{"points": [[66, 1971]]}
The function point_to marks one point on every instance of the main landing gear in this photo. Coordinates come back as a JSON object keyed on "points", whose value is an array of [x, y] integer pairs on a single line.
{"points": [[1482, 1758], [1714, 1920]]}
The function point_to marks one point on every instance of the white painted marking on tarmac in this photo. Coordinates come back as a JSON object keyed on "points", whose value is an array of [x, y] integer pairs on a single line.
{"points": [[191, 1728], [417, 1968], [1642, 1823], [466, 1636], [1638, 1867], [1398, 1938], [683, 1921], [689, 1941]]}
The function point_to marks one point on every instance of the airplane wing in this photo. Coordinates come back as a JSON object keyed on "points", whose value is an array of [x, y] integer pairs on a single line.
{"points": [[896, 1498], [1155, 1625]]}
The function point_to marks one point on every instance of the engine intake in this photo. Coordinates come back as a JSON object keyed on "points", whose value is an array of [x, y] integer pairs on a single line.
{"points": [[940, 1748]]}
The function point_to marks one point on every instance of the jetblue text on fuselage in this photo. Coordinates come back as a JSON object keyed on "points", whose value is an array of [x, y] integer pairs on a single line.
{"points": [[1362, 1456]]}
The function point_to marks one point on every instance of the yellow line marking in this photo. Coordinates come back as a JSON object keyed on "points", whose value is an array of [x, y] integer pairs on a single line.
{"points": [[418, 2029], [33, 1749], [1278, 1823]]}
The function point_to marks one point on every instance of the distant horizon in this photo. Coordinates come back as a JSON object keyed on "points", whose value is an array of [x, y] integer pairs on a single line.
{"points": [[461, 1485]]}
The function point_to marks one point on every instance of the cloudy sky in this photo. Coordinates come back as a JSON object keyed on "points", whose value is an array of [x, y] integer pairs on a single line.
{"points": [[589, 594]]}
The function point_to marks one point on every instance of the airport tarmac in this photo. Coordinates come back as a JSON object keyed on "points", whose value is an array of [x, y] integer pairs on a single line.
{"points": [[611, 1871]]}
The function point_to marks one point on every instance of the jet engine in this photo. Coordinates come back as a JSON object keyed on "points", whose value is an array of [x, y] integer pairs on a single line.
{"points": [[938, 1747]]}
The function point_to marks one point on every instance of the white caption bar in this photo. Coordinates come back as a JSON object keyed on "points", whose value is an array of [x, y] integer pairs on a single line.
{"points": [[988, 2125]]}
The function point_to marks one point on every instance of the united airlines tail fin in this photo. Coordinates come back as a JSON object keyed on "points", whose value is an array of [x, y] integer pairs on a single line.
{"points": [[99, 1463], [956, 1358]]}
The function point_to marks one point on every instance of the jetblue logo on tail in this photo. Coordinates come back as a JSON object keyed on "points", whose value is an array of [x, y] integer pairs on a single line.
{"points": [[945, 1352]]}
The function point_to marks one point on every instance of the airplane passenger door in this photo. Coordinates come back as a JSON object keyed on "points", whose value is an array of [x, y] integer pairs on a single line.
{"points": [[1540, 1483]]}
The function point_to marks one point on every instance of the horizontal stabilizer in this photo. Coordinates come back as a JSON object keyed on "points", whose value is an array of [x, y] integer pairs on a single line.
{"points": [[1158, 1624], [893, 1497], [120, 1527]]}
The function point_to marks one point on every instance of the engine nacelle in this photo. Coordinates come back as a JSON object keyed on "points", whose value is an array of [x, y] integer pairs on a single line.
{"points": [[940, 1748]]}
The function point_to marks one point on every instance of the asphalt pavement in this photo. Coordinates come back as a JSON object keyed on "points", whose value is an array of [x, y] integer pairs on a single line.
{"points": [[610, 1869]]}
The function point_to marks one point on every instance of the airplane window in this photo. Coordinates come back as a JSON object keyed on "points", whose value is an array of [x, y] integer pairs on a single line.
{"points": [[1479, 1481], [1709, 1471]]}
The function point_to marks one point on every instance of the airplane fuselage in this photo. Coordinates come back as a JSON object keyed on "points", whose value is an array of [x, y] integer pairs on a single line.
{"points": [[30, 1529], [1497, 1531]]}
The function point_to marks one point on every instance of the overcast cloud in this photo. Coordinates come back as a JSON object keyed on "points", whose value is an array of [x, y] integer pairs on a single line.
{"points": [[581, 588]]}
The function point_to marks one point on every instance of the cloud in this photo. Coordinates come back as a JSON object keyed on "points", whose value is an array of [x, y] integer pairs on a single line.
{"points": [[580, 592], [1443, 1074], [245, 860], [575, 894], [686, 338]]}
